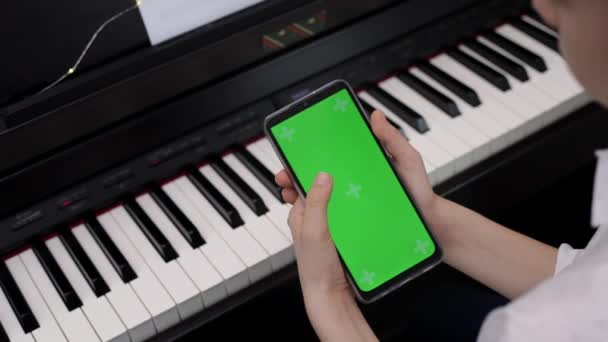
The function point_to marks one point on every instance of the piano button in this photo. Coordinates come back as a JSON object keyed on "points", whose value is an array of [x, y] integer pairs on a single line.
{"points": [[492, 76], [524, 90], [170, 274], [179, 220], [542, 82], [14, 296], [367, 108], [9, 320], [461, 90], [3, 335], [435, 159], [412, 118], [438, 99], [273, 242], [557, 66], [244, 191], [443, 133], [277, 211], [123, 300], [85, 265], [533, 60], [219, 249], [218, 201], [144, 304], [60, 282], [74, 324], [98, 311], [500, 111], [207, 280], [255, 149], [116, 258], [502, 62], [151, 231], [261, 172], [48, 329], [540, 35]]}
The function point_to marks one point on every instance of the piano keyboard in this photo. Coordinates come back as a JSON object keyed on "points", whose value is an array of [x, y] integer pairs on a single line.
{"points": [[157, 258]]}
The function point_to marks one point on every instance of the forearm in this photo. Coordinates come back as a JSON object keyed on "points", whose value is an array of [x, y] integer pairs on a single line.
{"points": [[337, 318], [502, 259]]}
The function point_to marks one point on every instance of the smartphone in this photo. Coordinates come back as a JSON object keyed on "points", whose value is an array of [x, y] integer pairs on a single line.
{"points": [[381, 238]]}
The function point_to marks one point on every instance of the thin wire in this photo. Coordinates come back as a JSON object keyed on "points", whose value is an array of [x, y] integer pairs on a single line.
{"points": [[73, 68]]}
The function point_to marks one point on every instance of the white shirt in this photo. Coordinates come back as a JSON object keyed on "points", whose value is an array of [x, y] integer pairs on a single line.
{"points": [[573, 305]]}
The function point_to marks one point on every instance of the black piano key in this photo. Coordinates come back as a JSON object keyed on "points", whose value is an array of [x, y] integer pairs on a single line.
{"points": [[525, 55], [404, 112], [437, 98], [3, 335], [509, 66], [217, 200], [543, 37], [58, 278], [242, 189], [492, 76], [85, 265], [179, 219], [260, 171], [367, 108], [461, 90], [534, 15], [150, 230], [22, 310], [116, 258]]}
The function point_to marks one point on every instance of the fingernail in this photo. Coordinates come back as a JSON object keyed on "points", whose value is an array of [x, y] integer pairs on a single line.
{"points": [[322, 179]]}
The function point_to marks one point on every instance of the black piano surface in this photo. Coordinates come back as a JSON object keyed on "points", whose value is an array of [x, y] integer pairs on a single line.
{"points": [[142, 117]]}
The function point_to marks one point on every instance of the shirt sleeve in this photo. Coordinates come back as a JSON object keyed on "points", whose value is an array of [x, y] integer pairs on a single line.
{"points": [[565, 256]]}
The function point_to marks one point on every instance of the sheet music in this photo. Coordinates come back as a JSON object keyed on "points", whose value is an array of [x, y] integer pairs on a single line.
{"points": [[166, 19]]}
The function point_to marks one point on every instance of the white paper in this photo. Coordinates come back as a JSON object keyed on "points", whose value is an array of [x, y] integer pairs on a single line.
{"points": [[599, 206], [166, 19]]}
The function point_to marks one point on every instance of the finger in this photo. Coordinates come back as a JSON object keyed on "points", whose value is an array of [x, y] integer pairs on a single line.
{"points": [[395, 143], [295, 218], [289, 195], [315, 209], [282, 179]]}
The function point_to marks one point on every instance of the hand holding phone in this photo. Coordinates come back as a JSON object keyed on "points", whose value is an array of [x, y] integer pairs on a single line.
{"points": [[381, 239]]}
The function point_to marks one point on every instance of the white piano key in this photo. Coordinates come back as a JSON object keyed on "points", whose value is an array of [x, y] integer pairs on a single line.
{"points": [[434, 158], [445, 136], [73, 323], [509, 100], [239, 239], [539, 25], [98, 311], [146, 286], [257, 151], [49, 329], [475, 116], [273, 242], [544, 82], [193, 261], [170, 274], [217, 251], [122, 299], [557, 65], [524, 90], [9, 321], [277, 211]]}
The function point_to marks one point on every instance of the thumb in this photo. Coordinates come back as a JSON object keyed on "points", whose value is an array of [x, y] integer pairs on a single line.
{"points": [[315, 212]]}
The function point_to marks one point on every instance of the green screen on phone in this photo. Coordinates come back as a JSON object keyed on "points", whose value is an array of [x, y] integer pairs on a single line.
{"points": [[372, 222]]}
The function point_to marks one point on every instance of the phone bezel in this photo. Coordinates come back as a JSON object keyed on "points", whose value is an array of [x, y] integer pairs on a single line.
{"points": [[310, 100]]}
